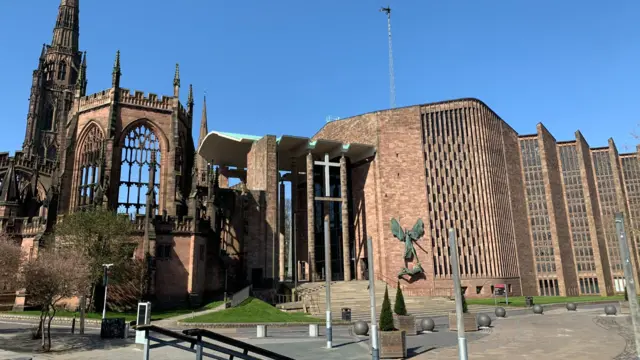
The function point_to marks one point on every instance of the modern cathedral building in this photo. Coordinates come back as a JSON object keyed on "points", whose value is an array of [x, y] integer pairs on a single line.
{"points": [[529, 212]]}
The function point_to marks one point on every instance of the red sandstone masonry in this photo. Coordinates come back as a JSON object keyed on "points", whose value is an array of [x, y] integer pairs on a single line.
{"points": [[603, 269]]}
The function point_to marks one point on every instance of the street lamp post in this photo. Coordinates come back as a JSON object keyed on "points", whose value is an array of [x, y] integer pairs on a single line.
{"points": [[106, 282]]}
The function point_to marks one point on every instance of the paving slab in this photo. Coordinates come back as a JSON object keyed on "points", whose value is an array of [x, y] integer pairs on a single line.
{"points": [[554, 335]]}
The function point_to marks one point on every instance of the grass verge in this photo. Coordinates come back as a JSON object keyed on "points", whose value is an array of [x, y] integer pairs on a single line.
{"points": [[155, 315], [544, 300], [253, 311]]}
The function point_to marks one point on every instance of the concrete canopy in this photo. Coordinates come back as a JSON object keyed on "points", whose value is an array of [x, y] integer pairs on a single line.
{"points": [[229, 149]]}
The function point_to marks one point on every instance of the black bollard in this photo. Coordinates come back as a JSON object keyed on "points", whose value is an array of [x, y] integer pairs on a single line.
{"points": [[73, 325]]}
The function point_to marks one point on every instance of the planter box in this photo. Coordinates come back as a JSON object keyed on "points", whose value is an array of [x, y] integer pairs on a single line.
{"points": [[406, 323], [469, 322], [393, 344], [624, 307]]}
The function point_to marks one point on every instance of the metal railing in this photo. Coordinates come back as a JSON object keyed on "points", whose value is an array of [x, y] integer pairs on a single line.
{"points": [[244, 347], [282, 299], [224, 346], [240, 296]]}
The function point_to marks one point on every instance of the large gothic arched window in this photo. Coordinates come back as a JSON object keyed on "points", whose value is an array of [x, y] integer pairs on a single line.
{"points": [[89, 161], [139, 148]]}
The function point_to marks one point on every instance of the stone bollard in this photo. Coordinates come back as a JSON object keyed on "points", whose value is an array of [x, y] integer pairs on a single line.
{"points": [[314, 330], [572, 306], [360, 328], [500, 312], [427, 325], [484, 321], [537, 309], [262, 331], [610, 310]]}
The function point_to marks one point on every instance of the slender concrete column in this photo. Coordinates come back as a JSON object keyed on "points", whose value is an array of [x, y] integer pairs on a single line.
{"points": [[311, 235], [281, 247], [293, 258], [346, 258]]}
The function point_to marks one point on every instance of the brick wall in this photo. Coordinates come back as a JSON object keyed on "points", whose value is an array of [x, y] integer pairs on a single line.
{"points": [[599, 245], [524, 249]]}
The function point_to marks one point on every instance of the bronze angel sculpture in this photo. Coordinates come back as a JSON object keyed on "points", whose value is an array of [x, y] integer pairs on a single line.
{"points": [[408, 237]]}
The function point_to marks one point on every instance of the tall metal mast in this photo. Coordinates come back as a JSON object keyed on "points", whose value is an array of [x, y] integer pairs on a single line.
{"points": [[392, 80]]}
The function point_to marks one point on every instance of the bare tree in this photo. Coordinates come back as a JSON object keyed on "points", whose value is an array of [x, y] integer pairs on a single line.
{"points": [[10, 259], [53, 275]]}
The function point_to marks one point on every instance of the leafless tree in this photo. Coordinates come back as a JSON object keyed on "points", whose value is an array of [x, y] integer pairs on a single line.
{"points": [[10, 259], [53, 275]]}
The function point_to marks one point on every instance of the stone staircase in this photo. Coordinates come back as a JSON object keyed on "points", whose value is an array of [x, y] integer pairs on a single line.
{"points": [[355, 295]]}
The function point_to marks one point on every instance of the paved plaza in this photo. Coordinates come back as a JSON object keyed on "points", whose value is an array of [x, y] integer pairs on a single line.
{"points": [[557, 334]]}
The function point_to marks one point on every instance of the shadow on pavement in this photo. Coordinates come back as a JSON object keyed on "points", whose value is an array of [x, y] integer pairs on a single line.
{"points": [[350, 343], [61, 342], [415, 351]]}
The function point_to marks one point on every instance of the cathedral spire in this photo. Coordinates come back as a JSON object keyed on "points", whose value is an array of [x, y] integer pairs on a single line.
{"points": [[66, 33], [190, 98], [81, 82], [204, 128], [176, 81], [115, 75]]}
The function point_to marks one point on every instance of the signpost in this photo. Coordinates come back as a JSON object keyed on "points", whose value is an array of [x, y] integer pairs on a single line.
{"points": [[500, 290], [462, 340], [629, 279], [375, 353], [143, 318], [106, 282]]}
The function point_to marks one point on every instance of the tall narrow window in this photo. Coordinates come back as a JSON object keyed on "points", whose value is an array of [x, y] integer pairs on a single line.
{"points": [[47, 119], [51, 153], [135, 169], [89, 163], [62, 70]]}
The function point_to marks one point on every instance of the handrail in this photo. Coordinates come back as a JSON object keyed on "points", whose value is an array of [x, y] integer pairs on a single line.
{"points": [[166, 332], [193, 337], [237, 343]]}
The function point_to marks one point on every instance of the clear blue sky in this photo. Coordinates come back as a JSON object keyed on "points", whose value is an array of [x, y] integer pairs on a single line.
{"points": [[283, 66]]}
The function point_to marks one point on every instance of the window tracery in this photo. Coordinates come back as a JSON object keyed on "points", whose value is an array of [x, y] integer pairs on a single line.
{"points": [[135, 167], [90, 169]]}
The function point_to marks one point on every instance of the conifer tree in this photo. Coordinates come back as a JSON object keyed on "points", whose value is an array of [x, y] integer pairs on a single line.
{"points": [[626, 295], [464, 303], [399, 307], [386, 317]]}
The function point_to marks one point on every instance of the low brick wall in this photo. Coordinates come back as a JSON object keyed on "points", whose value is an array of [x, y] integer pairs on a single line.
{"points": [[56, 320]]}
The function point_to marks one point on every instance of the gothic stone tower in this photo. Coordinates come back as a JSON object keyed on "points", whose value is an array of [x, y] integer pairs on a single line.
{"points": [[60, 67]]}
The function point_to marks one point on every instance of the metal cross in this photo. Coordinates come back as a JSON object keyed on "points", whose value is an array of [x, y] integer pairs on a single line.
{"points": [[327, 166]]}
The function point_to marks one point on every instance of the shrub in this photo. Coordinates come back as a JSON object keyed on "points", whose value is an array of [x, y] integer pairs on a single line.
{"points": [[399, 307], [626, 295], [464, 303], [386, 317]]}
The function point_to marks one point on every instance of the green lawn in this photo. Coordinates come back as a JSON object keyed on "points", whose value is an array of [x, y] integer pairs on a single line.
{"points": [[253, 311], [155, 315], [543, 300]]}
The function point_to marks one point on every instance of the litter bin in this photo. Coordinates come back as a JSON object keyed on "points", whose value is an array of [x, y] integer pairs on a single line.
{"points": [[346, 314], [528, 301]]}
